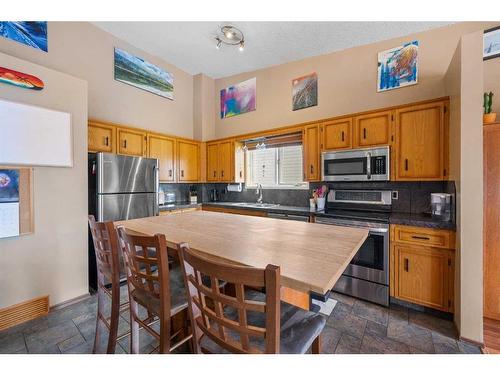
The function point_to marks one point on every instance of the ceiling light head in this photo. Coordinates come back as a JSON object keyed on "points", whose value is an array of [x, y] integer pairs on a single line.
{"points": [[219, 43], [231, 36], [242, 46]]}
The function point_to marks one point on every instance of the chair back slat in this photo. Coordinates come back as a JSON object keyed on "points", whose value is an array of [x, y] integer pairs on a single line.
{"points": [[225, 320]]}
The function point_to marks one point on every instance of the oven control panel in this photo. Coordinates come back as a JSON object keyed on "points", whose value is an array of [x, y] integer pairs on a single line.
{"points": [[379, 165]]}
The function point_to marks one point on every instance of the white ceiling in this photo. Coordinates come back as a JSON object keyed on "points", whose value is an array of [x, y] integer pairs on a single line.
{"points": [[191, 47]]}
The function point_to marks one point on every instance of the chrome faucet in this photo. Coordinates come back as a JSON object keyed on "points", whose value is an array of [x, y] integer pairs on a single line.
{"points": [[259, 193]]}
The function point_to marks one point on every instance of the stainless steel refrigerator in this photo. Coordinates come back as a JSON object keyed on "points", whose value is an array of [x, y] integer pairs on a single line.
{"points": [[120, 188]]}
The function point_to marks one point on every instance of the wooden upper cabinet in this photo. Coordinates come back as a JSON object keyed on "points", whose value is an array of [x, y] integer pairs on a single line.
{"points": [[131, 142], [372, 129], [239, 162], [226, 161], [188, 156], [420, 145], [212, 161], [101, 137], [422, 276], [163, 149], [311, 150], [337, 134]]}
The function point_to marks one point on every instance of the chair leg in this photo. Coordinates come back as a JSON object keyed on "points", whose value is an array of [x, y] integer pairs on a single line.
{"points": [[114, 321], [164, 335], [316, 345], [134, 327], [99, 324]]}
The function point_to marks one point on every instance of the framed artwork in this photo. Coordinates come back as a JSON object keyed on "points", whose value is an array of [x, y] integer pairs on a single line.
{"points": [[9, 185], [19, 79], [398, 67], [238, 99], [139, 73], [305, 91], [491, 43], [31, 33]]}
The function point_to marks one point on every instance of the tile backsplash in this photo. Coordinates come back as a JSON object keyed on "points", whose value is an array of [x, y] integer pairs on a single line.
{"points": [[413, 197]]}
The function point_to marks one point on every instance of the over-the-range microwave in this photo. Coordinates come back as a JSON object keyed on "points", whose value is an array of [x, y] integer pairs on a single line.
{"points": [[368, 164]]}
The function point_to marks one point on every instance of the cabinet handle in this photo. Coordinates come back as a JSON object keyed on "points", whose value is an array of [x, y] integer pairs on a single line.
{"points": [[406, 164], [342, 136], [241, 174], [222, 173], [182, 173], [420, 238], [407, 265], [215, 173], [124, 143], [312, 169], [169, 173], [106, 141], [364, 133]]}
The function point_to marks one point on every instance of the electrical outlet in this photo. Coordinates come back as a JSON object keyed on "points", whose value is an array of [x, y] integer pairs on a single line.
{"points": [[395, 194]]}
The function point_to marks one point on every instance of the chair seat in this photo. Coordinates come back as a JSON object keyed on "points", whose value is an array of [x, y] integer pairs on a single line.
{"points": [[178, 294], [298, 327]]}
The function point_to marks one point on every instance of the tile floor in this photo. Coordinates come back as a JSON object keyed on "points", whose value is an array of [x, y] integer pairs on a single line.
{"points": [[354, 327]]}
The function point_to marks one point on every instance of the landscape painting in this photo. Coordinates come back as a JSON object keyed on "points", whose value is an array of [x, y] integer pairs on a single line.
{"points": [[31, 33], [137, 72], [305, 91], [398, 67], [19, 79], [491, 43], [238, 99]]}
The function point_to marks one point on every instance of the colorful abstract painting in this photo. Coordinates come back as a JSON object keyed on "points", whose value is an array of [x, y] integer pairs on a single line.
{"points": [[398, 67], [31, 33], [305, 91], [27, 81], [9, 185], [491, 43], [238, 99], [139, 73]]}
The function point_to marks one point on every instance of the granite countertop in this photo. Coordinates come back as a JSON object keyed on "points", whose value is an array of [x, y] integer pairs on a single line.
{"points": [[420, 220], [298, 210], [177, 206]]}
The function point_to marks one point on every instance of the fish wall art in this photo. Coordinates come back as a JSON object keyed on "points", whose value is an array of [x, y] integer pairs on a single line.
{"points": [[398, 67], [19, 79], [238, 99]]}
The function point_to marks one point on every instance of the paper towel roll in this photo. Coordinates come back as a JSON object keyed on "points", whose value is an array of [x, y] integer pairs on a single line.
{"points": [[235, 187]]}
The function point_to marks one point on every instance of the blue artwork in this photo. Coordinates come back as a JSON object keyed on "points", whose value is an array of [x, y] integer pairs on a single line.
{"points": [[9, 185], [31, 33], [491, 43], [398, 67]]}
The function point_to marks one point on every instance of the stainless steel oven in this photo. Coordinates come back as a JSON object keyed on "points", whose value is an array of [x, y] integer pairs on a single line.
{"points": [[369, 164]]}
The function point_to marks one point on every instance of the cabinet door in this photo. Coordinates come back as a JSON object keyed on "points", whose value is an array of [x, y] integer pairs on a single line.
{"points": [[420, 142], [311, 153], [337, 134], [225, 161], [188, 161], [131, 142], [372, 129], [101, 137], [212, 162], [239, 162], [163, 149], [421, 276]]}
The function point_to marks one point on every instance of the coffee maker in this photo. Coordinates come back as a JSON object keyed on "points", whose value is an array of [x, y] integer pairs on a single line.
{"points": [[213, 194], [441, 206]]}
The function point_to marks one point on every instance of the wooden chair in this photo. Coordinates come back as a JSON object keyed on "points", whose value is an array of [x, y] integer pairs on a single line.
{"points": [[251, 321], [152, 285], [108, 273]]}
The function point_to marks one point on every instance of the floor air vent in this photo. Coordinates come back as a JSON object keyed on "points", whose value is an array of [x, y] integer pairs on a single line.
{"points": [[24, 311]]}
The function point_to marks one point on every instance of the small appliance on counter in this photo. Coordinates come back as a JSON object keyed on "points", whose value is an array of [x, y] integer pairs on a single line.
{"points": [[213, 194], [441, 206], [193, 195]]}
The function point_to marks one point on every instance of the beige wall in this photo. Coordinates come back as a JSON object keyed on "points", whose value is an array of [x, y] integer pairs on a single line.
{"points": [[85, 51], [203, 108], [346, 82], [464, 83], [492, 81], [52, 260]]}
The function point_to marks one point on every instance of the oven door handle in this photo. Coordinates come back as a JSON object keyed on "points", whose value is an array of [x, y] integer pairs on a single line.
{"points": [[344, 224], [369, 166]]}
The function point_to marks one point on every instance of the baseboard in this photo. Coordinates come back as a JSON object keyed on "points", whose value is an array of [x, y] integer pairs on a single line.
{"points": [[22, 312], [473, 342], [69, 302]]}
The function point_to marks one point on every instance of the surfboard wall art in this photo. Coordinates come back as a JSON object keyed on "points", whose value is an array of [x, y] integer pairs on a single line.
{"points": [[19, 79]]}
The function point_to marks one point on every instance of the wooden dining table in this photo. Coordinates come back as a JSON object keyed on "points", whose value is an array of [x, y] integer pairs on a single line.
{"points": [[311, 256]]}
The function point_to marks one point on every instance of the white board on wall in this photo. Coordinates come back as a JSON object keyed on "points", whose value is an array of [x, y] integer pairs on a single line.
{"points": [[35, 136]]}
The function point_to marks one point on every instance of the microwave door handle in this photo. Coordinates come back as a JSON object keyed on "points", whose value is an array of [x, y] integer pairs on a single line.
{"points": [[369, 166]]}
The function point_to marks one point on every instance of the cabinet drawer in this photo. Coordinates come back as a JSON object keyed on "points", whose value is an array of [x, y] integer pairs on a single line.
{"points": [[444, 239]]}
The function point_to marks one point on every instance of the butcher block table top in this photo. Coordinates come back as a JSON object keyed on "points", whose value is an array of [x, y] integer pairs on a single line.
{"points": [[311, 256]]}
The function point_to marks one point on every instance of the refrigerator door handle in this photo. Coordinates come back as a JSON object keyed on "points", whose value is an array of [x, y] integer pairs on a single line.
{"points": [[157, 188]]}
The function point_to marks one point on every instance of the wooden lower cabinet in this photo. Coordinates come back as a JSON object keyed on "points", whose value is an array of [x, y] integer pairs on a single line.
{"points": [[236, 211], [423, 275]]}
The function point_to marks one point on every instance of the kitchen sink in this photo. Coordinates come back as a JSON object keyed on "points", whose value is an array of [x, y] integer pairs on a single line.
{"points": [[257, 205]]}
